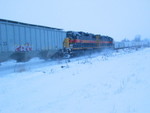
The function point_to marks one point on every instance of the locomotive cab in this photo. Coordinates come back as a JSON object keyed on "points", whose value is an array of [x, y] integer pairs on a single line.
{"points": [[69, 42]]}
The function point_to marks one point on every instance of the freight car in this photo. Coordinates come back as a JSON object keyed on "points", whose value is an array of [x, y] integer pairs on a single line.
{"points": [[131, 44], [80, 41], [21, 41]]}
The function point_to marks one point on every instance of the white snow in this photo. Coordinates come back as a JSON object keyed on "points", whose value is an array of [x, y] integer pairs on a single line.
{"points": [[114, 83]]}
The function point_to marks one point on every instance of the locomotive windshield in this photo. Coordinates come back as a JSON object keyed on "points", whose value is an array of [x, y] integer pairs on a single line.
{"points": [[73, 35]]}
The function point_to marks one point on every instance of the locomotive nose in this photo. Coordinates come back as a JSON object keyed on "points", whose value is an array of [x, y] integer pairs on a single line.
{"points": [[66, 43]]}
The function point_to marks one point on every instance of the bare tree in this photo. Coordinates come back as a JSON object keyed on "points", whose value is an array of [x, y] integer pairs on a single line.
{"points": [[137, 38]]}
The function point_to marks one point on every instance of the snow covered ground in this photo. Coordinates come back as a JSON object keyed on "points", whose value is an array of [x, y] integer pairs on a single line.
{"points": [[118, 82]]}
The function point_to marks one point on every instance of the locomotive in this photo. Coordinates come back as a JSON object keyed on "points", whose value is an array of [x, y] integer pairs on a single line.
{"points": [[81, 41]]}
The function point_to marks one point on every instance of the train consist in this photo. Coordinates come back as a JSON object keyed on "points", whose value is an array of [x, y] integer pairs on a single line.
{"points": [[22, 41]]}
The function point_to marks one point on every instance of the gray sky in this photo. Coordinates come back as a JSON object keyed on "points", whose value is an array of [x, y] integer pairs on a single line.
{"points": [[116, 18]]}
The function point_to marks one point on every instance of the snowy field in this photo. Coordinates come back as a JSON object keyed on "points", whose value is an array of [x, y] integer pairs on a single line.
{"points": [[117, 82]]}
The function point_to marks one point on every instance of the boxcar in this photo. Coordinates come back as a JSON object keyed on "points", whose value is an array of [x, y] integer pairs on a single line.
{"points": [[21, 40]]}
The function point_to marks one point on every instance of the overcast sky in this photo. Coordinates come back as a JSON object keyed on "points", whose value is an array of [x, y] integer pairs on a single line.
{"points": [[116, 18]]}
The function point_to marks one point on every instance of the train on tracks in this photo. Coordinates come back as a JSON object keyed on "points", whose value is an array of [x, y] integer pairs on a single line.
{"points": [[22, 41]]}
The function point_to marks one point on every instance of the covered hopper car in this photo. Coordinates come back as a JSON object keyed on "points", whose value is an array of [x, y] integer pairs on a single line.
{"points": [[21, 41]]}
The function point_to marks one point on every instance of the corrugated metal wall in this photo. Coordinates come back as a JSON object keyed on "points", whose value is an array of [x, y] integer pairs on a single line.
{"points": [[39, 38]]}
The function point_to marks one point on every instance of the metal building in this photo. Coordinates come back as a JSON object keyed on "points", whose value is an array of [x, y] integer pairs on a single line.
{"points": [[28, 38]]}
